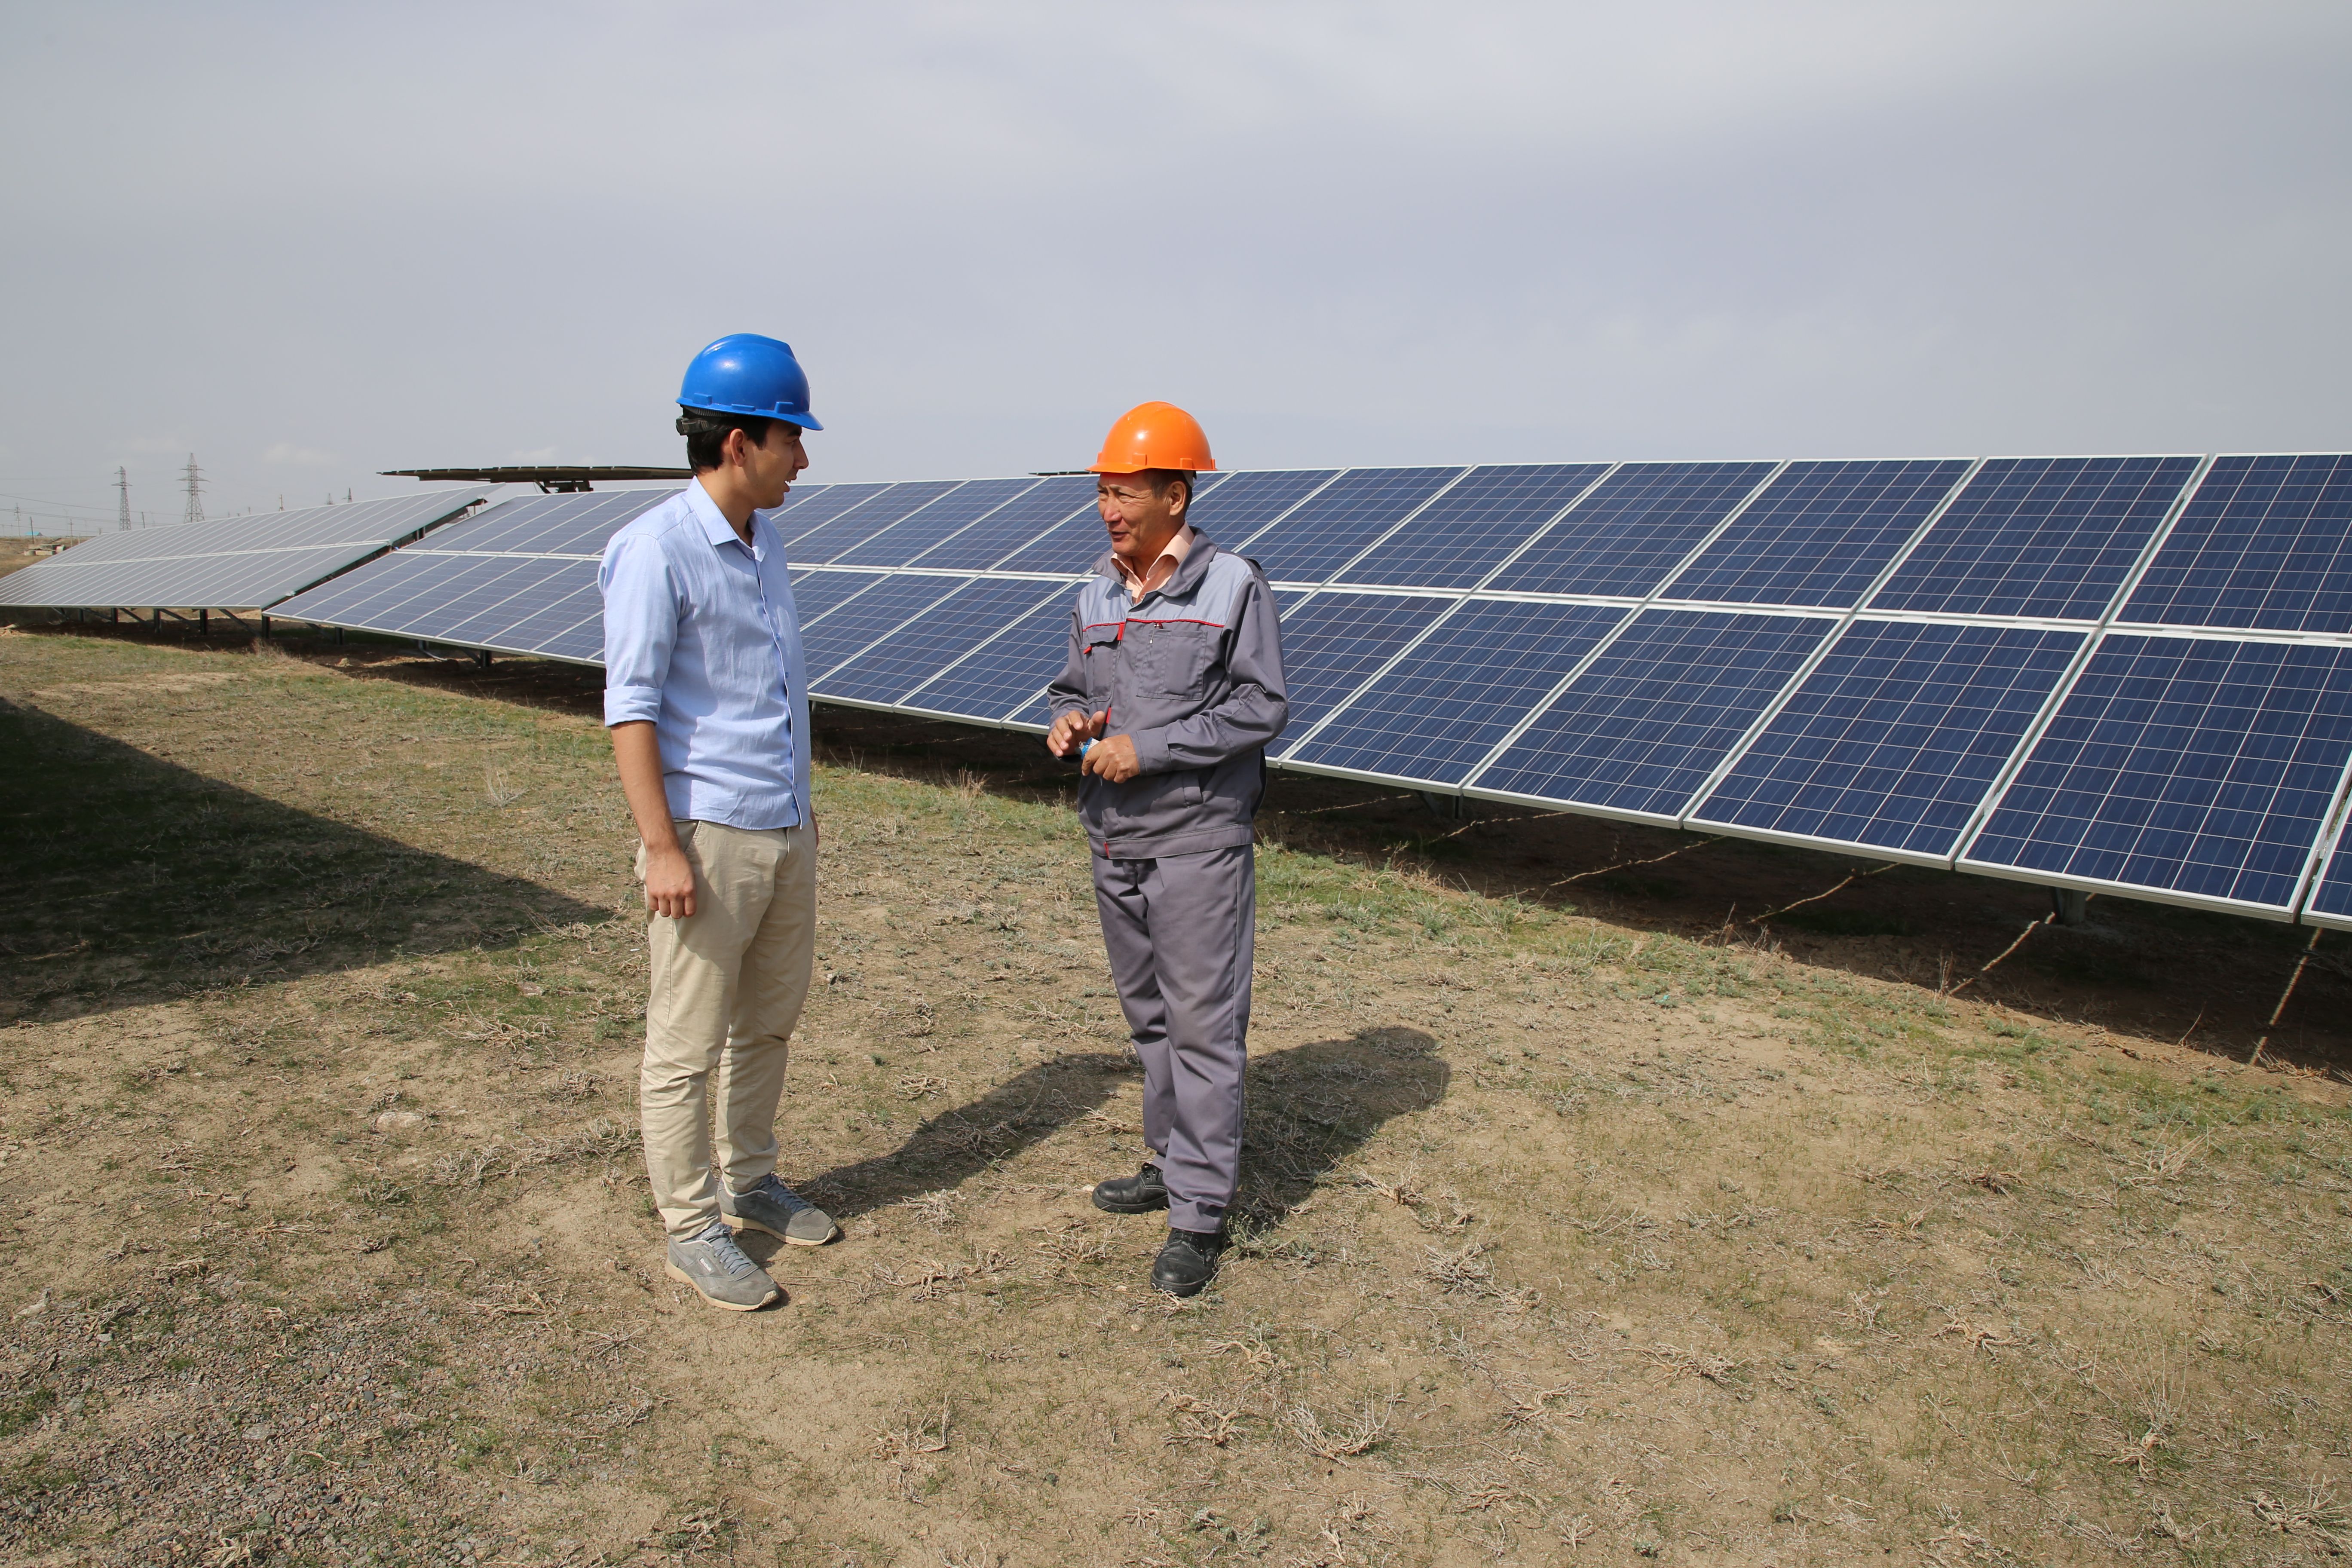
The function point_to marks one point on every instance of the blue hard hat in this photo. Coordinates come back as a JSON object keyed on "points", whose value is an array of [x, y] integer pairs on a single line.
{"points": [[744, 373]]}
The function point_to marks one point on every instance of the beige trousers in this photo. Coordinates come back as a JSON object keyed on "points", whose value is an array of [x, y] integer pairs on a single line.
{"points": [[729, 982]]}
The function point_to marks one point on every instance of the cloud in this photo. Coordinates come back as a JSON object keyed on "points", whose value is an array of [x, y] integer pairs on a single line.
{"points": [[1363, 232], [286, 454]]}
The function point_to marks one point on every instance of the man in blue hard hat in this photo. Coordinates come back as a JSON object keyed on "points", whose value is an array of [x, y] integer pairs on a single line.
{"points": [[707, 699]]}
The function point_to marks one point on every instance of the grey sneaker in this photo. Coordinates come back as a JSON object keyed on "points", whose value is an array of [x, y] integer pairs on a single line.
{"points": [[782, 1212], [715, 1266]]}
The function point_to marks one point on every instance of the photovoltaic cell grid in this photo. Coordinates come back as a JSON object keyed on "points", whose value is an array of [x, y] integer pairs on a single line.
{"points": [[933, 523], [1636, 734], [1890, 741], [2048, 537], [940, 634], [1895, 739], [2264, 544], [1326, 530], [1819, 535], [1002, 677], [1464, 534], [519, 578], [1333, 642], [1624, 537], [2182, 766], [1437, 714], [231, 562]]}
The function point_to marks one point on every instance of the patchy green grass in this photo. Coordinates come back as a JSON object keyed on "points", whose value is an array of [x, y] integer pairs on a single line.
{"points": [[1561, 1235]]}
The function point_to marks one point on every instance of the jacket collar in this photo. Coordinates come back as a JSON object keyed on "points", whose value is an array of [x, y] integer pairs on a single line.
{"points": [[1187, 576]]}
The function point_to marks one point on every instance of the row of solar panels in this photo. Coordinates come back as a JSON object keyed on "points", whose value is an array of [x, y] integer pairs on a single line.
{"points": [[230, 563], [2125, 674], [2117, 673]]}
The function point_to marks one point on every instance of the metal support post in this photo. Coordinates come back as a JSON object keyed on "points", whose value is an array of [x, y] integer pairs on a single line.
{"points": [[2069, 906]]}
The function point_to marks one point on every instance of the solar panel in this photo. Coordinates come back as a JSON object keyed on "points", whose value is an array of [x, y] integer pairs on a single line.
{"points": [[230, 563], [933, 523], [1438, 712], [470, 601], [1333, 642], [2264, 543], [1014, 525], [1006, 672], [1492, 631], [910, 654], [576, 525], [1638, 733], [1324, 532], [818, 593], [1465, 533], [2181, 768], [820, 505], [2049, 537], [519, 578], [1894, 740], [855, 525], [1624, 537], [828, 639], [1819, 535]]}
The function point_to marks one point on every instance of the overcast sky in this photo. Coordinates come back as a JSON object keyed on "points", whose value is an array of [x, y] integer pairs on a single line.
{"points": [[308, 242]]}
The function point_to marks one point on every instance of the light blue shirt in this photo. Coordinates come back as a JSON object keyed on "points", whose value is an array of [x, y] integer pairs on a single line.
{"points": [[701, 639]]}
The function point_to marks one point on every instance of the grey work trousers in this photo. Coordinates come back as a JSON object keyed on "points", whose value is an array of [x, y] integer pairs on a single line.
{"points": [[1180, 932]]}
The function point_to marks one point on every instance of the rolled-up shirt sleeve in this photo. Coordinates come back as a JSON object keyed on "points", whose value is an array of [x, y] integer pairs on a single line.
{"points": [[640, 629]]}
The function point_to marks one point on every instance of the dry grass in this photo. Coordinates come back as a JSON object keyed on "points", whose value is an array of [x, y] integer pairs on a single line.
{"points": [[1566, 1237]]}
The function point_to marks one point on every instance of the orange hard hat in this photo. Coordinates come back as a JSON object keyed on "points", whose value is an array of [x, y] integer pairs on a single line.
{"points": [[1155, 435]]}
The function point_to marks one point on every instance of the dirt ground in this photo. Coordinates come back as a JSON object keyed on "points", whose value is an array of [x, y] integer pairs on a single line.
{"points": [[1605, 1202]]}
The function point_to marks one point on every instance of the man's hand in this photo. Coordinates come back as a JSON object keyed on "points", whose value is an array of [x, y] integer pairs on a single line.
{"points": [[669, 882], [1071, 729], [1114, 760]]}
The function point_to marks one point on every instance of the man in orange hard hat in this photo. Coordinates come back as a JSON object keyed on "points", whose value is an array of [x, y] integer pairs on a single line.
{"points": [[1172, 692]]}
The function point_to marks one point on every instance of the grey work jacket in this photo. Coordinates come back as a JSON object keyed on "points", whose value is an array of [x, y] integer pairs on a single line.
{"points": [[1192, 673]]}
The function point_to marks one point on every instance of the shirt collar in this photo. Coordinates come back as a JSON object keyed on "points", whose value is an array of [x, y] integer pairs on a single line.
{"points": [[715, 526], [1173, 552]]}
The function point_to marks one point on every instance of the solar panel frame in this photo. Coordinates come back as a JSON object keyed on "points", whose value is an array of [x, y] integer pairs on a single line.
{"points": [[824, 545], [2202, 578], [1341, 520], [914, 651], [1457, 539], [1056, 500], [1608, 546], [1646, 646], [250, 562], [917, 533], [831, 503], [996, 665], [1358, 649], [1823, 533], [1975, 560], [1341, 743], [2074, 735], [1852, 712]]}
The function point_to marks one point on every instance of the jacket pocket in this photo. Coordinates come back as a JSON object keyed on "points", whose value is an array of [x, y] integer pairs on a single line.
{"points": [[1170, 660]]}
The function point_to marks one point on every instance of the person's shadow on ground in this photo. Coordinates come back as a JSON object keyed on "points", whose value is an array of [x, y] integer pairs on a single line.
{"points": [[1309, 1108]]}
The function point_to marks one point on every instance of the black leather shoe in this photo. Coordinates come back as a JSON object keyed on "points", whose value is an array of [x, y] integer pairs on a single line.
{"points": [[1188, 1262], [1138, 1194]]}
